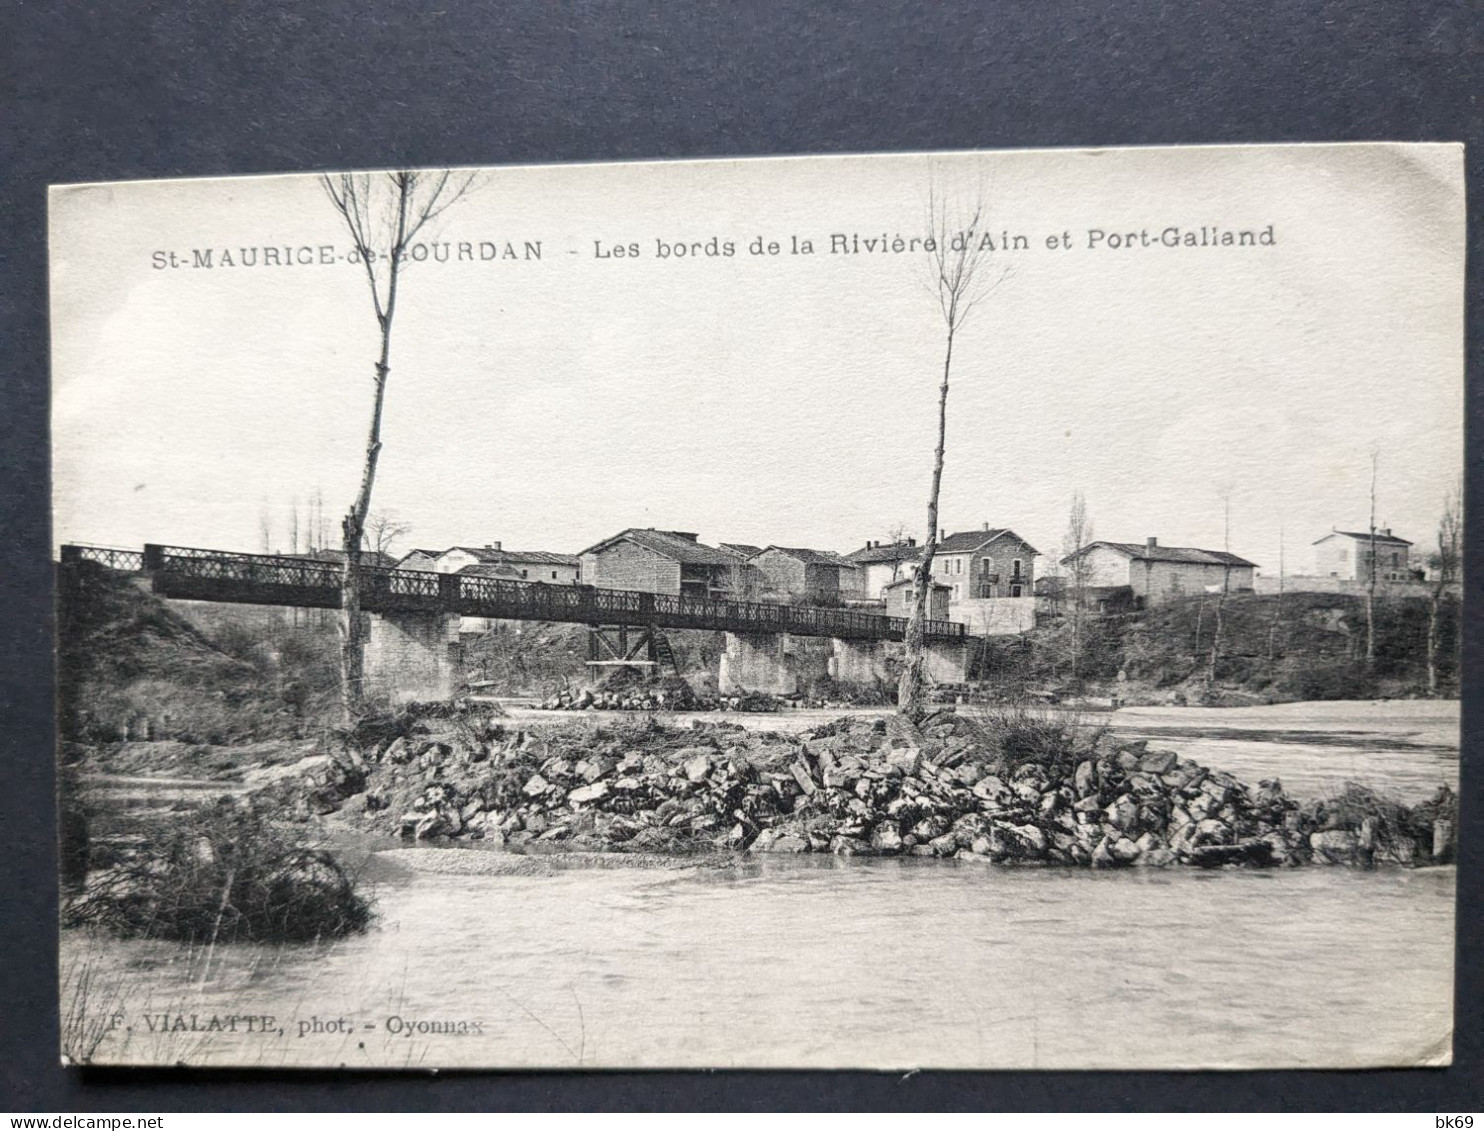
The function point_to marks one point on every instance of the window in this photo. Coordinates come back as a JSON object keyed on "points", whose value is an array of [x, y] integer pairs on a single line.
{"points": [[958, 565], [1015, 568], [955, 592], [553, 575], [1017, 591], [1396, 560], [987, 566], [523, 573]]}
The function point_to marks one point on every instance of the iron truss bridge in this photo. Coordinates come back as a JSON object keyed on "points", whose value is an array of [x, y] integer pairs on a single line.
{"points": [[192, 574]]}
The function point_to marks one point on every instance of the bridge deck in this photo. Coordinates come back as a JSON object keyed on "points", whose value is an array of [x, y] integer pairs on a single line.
{"points": [[271, 579]]}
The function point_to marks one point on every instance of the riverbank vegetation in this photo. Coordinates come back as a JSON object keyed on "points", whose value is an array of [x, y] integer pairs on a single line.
{"points": [[1273, 649], [222, 873]]}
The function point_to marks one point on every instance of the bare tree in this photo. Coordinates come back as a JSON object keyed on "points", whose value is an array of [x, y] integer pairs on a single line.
{"points": [[383, 213], [1277, 604], [958, 282], [1445, 565], [898, 538], [1077, 538], [383, 528], [1224, 492], [1370, 587], [265, 529]]}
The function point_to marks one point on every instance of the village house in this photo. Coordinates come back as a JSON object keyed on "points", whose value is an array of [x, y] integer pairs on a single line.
{"points": [[901, 596], [419, 559], [661, 561], [373, 558], [814, 577], [878, 564], [1346, 554], [988, 563], [527, 565], [1150, 574]]}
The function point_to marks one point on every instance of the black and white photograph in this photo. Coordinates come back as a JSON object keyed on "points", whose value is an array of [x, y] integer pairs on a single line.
{"points": [[967, 610]]}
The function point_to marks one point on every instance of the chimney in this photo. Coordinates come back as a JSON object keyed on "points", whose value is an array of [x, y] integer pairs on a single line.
{"points": [[492, 545], [1151, 543], [986, 528], [942, 534], [1384, 532]]}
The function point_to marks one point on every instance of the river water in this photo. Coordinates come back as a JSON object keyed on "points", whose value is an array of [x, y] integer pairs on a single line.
{"points": [[814, 962]]}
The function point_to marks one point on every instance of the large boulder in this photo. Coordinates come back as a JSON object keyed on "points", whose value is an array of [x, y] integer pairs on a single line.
{"points": [[1158, 761], [1122, 813], [588, 794]]}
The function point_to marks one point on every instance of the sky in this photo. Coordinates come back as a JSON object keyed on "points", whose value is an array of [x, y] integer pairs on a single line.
{"points": [[786, 399]]}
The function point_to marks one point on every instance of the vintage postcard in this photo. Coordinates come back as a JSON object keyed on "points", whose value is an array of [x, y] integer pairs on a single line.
{"points": [[963, 610]]}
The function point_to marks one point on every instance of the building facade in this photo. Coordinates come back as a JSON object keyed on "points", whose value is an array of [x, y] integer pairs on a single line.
{"points": [[878, 564], [1152, 574], [987, 563], [814, 577], [661, 561], [1346, 554], [519, 565], [902, 595]]}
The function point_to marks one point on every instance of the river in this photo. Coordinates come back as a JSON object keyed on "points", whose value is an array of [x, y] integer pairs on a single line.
{"points": [[483, 959]]}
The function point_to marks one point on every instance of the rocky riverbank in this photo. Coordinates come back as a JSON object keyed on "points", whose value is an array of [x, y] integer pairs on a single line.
{"points": [[1007, 788]]}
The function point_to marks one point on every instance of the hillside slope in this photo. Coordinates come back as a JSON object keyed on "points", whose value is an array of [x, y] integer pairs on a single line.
{"points": [[1273, 649]]}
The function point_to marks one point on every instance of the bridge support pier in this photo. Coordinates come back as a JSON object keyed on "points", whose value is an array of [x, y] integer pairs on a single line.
{"points": [[413, 656], [858, 661], [756, 662], [946, 661]]}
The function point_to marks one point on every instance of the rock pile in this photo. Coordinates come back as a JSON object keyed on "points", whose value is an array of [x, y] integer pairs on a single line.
{"points": [[658, 698], [1017, 790]]}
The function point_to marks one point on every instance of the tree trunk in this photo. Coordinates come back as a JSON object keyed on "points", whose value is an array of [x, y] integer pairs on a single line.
{"points": [[910, 690], [352, 620], [1076, 634], [1215, 642], [1432, 641], [1370, 622]]}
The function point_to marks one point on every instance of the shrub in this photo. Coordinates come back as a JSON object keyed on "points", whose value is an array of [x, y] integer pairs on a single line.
{"points": [[223, 874], [1017, 736]]}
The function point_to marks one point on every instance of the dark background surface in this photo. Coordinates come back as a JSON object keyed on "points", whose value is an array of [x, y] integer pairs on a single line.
{"points": [[127, 90]]}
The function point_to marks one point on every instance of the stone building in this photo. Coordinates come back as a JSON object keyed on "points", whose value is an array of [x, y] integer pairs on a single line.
{"points": [[987, 563], [901, 595], [814, 577], [1346, 554], [519, 565], [1147, 573], [881, 563], [661, 561]]}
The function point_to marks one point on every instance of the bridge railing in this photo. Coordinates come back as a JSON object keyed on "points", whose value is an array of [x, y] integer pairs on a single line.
{"points": [[125, 561], [192, 573]]}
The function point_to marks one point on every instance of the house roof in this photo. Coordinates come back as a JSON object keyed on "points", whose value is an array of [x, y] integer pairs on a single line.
{"points": [[893, 552], [813, 557], [490, 556], [489, 569], [368, 557], [1187, 555], [1364, 536], [908, 581], [684, 550], [741, 548], [967, 541]]}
